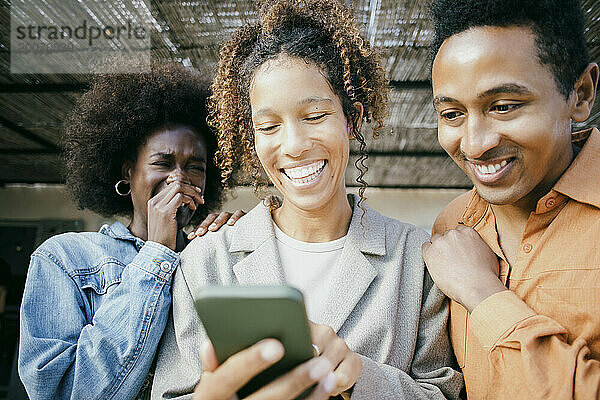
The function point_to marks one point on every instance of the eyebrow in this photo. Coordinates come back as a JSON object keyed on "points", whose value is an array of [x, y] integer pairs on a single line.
{"points": [[307, 100], [506, 88], [315, 99], [169, 155], [437, 100]]}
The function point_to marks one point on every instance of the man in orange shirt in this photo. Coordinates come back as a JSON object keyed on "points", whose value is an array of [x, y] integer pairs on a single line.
{"points": [[519, 255]]}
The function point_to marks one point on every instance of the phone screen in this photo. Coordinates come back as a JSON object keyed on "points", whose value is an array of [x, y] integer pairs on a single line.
{"points": [[236, 317]]}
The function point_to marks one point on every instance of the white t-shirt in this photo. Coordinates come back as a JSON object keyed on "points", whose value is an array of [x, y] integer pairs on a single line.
{"points": [[308, 266]]}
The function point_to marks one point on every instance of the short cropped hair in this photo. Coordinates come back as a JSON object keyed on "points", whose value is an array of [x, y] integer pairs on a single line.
{"points": [[557, 24]]}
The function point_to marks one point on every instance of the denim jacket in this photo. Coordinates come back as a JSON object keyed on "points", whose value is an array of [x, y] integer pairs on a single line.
{"points": [[94, 308]]}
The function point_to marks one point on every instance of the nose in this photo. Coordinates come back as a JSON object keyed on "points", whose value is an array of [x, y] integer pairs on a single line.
{"points": [[178, 174], [295, 141], [478, 138]]}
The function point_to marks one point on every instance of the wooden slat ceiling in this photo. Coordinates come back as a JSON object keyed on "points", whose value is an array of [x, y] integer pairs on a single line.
{"points": [[407, 155]]}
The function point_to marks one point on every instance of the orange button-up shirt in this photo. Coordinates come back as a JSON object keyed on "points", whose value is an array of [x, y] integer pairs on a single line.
{"points": [[541, 338]]}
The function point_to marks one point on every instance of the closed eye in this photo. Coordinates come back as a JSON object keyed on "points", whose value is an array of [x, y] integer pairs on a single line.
{"points": [[315, 117], [266, 128], [197, 168], [504, 108], [161, 163]]}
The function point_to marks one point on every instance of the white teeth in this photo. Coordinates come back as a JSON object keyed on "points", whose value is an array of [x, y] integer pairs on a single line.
{"points": [[305, 173], [492, 168], [305, 170]]}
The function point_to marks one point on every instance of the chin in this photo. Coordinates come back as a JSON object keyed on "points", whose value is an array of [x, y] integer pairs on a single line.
{"points": [[499, 197]]}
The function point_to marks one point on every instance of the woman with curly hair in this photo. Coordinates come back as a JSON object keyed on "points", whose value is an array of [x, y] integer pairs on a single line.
{"points": [[95, 304], [291, 91]]}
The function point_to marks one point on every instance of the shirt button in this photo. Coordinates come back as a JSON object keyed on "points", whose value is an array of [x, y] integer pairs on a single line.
{"points": [[527, 248], [550, 203], [165, 266]]}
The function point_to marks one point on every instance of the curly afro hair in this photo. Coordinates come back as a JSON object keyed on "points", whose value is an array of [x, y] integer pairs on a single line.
{"points": [[557, 24], [321, 32], [112, 120]]}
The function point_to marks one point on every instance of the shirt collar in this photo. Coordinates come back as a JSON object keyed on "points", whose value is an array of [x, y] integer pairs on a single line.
{"points": [[251, 231], [577, 182], [119, 231]]}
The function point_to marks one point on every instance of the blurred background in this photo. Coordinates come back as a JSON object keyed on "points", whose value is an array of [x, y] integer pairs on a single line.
{"points": [[410, 177]]}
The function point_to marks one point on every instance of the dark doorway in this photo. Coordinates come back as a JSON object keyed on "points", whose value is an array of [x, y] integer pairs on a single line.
{"points": [[18, 239]]}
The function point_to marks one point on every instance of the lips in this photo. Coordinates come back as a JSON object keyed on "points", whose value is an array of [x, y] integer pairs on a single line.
{"points": [[493, 171], [306, 173]]}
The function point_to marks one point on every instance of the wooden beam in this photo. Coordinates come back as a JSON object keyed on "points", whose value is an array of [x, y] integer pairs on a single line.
{"points": [[404, 85], [27, 134], [421, 154], [13, 88], [27, 152], [81, 86]]}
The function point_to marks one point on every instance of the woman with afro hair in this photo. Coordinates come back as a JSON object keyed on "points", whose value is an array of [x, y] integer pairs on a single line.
{"points": [[95, 304], [290, 93]]}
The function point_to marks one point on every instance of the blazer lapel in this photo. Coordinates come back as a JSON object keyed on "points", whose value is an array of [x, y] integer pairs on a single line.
{"points": [[254, 234], [354, 270], [261, 267]]}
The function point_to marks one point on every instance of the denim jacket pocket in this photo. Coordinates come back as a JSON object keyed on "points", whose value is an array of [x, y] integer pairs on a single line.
{"points": [[102, 276]]}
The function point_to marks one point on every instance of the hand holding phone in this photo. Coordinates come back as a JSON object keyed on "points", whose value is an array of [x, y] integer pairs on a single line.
{"points": [[331, 346], [222, 382], [237, 317]]}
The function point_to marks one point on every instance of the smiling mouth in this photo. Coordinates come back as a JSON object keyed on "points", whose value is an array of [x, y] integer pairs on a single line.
{"points": [[305, 174], [491, 172]]}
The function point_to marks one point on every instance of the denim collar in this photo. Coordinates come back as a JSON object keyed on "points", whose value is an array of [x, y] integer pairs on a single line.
{"points": [[119, 231]]}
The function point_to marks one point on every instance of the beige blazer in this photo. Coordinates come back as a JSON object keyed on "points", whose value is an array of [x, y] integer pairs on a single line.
{"points": [[383, 304]]}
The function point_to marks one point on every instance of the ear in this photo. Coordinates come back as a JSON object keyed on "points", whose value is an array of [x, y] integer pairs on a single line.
{"points": [[126, 170], [354, 126], [585, 93]]}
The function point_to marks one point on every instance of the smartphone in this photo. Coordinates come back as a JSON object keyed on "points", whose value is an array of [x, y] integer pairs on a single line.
{"points": [[236, 317]]}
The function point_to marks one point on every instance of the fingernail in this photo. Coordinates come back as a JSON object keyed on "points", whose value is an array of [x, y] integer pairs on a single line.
{"points": [[191, 235], [271, 351], [212, 226], [341, 378], [230, 222], [329, 382], [202, 198], [198, 189], [320, 366], [205, 347]]}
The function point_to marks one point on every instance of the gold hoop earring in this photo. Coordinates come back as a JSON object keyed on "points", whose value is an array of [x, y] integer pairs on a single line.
{"points": [[122, 181]]}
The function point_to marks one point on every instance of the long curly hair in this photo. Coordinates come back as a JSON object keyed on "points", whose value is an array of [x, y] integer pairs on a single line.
{"points": [[114, 118], [321, 32]]}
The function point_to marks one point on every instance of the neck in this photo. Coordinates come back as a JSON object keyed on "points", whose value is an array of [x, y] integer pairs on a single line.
{"points": [[138, 228], [516, 214], [324, 224]]}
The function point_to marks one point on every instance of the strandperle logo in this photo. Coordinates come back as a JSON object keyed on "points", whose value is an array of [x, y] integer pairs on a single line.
{"points": [[81, 32], [72, 36]]}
